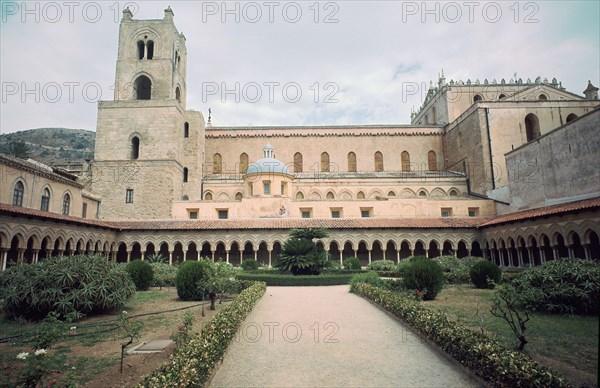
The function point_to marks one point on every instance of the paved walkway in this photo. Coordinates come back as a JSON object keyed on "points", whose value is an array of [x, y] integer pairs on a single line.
{"points": [[327, 337]]}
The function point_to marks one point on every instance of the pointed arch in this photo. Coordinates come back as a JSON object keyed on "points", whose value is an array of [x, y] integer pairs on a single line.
{"points": [[298, 163], [378, 159], [532, 127], [325, 167], [217, 163], [243, 162], [405, 157], [351, 162], [142, 88], [432, 161]]}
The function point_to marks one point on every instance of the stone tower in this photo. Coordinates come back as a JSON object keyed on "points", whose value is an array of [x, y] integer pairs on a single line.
{"points": [[149, 148]]}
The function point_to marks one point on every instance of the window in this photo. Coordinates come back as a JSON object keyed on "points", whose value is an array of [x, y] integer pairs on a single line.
{"points": [[298, 162], [477, 98], [84, 211], [391, 194], [150, 53], [178, 94], [193, 214], [431, 161], [267, 188], [532, 127], [336, 213], [351, 162], [305, 213], [66, 204], [208, 197], [405, 161], [283, 188], [473, 211], [186, 130], [330, 196], [243, 163], [185, 174], [135, 148], [365, 213], [422, 193], [446, 212], [223, 214], [543, 97], [378, 161], [129, 196], [217, 164], [238, 196], [143, 88], [360, 195], [502, 96], [45, 200], [141, 48], [571, 117], [453, 193], [299, 196], [18, 192], [324, 162]]}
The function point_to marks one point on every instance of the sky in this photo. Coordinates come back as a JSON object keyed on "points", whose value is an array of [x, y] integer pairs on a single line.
{"points": [[292, 63]]}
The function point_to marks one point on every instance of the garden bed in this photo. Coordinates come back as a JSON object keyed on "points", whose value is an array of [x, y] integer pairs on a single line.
{"points": [[278, 279]]}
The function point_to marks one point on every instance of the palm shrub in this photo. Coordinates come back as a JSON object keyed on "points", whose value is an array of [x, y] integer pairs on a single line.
{"points": [[249, 265], [141, 273], [424, 276], [192, 279], [382, 265], [561, 286], [485, 274], [352, 263], [71, 286], [300, 255]]}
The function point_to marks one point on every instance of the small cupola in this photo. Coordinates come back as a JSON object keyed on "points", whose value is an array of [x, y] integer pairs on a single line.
{"points": [[591, 92]]}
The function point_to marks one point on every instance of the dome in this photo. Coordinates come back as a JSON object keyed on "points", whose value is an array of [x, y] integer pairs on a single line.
{"points": [[268, 164]]}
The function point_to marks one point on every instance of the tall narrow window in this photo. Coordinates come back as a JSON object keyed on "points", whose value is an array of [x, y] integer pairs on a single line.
{"points": [[351, 162], [432, 161], [178, 94], [150, 53], [135, 148], [18, 194], [532, 127], [267, 188], [324, 162], [143, 88], [433, 115], [186, 129], [45, 200], [129, 196], [140, 49], [378, 162], [405, 161], [66, 205], [298, 162], [185, 174], [243, 163], [84, 211], [217, 164]]}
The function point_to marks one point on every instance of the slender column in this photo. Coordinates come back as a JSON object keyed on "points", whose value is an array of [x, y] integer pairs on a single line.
{"points": [[35, 255], [412, 252], [455, 253], [542, 255], [256, 255], [128, 256], [587, 249], [21, 255], [213, 255], [4, 255], [356, 253], [397, 256], [143, 255], [469, 252], [170, 257], [520, 257], [571, 252], [369, 256], [227, 256], [270, 257], [341, 258], [531, 257], [48, 253]]}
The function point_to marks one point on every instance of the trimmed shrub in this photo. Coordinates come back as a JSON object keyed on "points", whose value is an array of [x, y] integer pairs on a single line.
{"points": [[457, 271], [382, 265], [425, 276], [488, 359], [277, 279], [192, 279], [141, 273], [485, 274], [249, 265], [369, 278], [71, 286], [164, 274], [352, 263], [405, 263], [561, 286], [193, 362]]}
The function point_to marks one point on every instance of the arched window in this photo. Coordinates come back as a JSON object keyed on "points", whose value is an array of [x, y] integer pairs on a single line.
{"points": [[217, 164], [135, 148], [66, 204], [502, 96], [45, 205], [391, 194], [422, 193], [178, 94], [405, 161], [351, 162], [324, 162], [543, 97], [431, 161], [532, 127], [571, 117], [298, 162], [185, 174], [143, 88], [360, 195], [186, 129], [150, 53], [433, 115], [453, 193], [477, 98], [243, 163], [18, 192], [378, 161], [140, 49], [299, 196], [238, 196], [330, 195]]}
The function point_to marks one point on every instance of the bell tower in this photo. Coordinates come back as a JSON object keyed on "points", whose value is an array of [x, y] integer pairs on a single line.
{"points": [[148, 146]]}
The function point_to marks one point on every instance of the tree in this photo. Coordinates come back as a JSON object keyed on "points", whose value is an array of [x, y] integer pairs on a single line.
{"points": [[18, 149], [505, 307], [300, 255]]}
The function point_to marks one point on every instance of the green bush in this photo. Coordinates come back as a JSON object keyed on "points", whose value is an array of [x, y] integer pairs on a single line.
{"points": [[405, 263], [485, 274], [141, 273], [369, 278], [425, 276], [488, 359], [70, 286], [457, 271], [164, 274], [561, 286], [192, 278], [382, 265], [278, 279], [352, 263], [249, 265], [193, 362]]}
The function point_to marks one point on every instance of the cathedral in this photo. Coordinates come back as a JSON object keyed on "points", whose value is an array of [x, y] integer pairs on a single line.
{"points": [[506, 169]]}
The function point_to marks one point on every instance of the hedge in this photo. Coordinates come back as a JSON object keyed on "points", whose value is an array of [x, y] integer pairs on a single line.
{"points": [[192, 363], [482, 355], [277, 279]]}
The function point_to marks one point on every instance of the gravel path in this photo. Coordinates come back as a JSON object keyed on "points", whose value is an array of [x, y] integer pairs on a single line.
{"points": [[327, 337]]}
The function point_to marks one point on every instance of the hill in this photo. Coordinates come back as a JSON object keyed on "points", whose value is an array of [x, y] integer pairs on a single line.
{"points": [[55, 146]]}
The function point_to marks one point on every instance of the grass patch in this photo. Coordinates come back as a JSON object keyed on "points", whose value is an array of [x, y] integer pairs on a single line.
{"points": [[301, 280], [565, 339]]}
